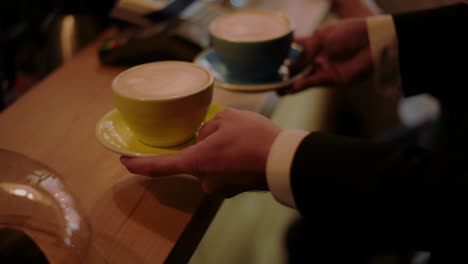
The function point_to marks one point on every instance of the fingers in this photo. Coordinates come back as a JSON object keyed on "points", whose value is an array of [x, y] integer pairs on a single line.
{"points": [[300, 41], [317, 79], [180, 163], [311, 47], [207, 129], [163, 165], [309, 80], [357, 67], [289, 89], [336, 73]]}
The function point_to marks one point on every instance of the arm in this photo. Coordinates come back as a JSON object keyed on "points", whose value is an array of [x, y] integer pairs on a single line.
{"points": [[432, 47], [393, 188], [422, 50], [426, 47], [346, 175], [335, 177]]}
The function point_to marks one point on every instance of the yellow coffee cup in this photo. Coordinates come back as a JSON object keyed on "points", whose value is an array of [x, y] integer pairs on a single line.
{"points": [[163, 103]]}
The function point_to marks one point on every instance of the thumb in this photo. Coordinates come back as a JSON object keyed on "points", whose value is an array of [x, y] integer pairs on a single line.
{"points": [[157, 166], [301, 41], [311, 48], [317, 78]]}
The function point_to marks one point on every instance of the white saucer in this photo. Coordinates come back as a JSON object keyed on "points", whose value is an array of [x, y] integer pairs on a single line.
{"points": [[210, 60], [114, 134]]}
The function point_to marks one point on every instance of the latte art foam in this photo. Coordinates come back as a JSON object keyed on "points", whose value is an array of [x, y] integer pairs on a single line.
{"points": [[250, 26], [162, 80]]}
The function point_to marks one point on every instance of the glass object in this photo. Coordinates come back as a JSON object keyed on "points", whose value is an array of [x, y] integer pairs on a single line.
{"points": [[39, 213]]}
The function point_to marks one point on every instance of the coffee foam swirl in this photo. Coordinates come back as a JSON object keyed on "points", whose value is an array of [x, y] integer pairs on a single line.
{"points": [[250, 26], [162, 80]]}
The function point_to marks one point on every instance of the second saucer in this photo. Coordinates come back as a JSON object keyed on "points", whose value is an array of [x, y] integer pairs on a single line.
{"points": [[210, 60]]}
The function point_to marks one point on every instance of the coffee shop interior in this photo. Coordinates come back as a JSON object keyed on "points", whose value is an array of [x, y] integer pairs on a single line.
{"points": [[56, 55]]}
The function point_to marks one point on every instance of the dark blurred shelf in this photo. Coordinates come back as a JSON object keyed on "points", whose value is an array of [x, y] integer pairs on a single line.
{"points": [[35, 40]]}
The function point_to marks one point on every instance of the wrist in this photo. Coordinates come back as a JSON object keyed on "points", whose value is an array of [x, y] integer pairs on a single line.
{"points": [[279, 163], [385, 55]]}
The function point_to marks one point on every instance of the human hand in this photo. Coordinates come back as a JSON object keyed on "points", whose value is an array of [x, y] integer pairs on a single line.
{"points": [[338, 54], [229, 157], [354, 8]]}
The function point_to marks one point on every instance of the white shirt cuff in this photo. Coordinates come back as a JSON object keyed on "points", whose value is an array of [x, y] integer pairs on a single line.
{"points": [[384, 46], [279, 162]]}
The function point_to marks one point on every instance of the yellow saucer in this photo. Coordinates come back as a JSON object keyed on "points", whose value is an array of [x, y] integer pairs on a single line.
{"points": [[115, 135]]}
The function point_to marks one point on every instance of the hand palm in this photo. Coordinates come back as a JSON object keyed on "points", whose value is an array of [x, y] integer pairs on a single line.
{"points": [[229, 157], [339, 53]]}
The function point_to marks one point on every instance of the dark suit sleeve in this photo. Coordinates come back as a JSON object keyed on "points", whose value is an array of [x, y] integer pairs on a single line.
{"points": [[334, 175], [378, 190], [344, 182], [433, 49]]}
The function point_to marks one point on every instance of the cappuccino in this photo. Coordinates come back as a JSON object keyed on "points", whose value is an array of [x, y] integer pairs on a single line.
{"points": [[247, 26], [162, 80], [252, 44], [163, 103]]}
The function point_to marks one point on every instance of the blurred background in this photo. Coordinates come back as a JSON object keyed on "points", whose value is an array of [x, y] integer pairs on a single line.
{"points": [[38, 36]]}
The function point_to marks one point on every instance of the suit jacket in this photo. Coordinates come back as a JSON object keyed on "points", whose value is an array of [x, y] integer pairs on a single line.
{"points": [[409, 189]]}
